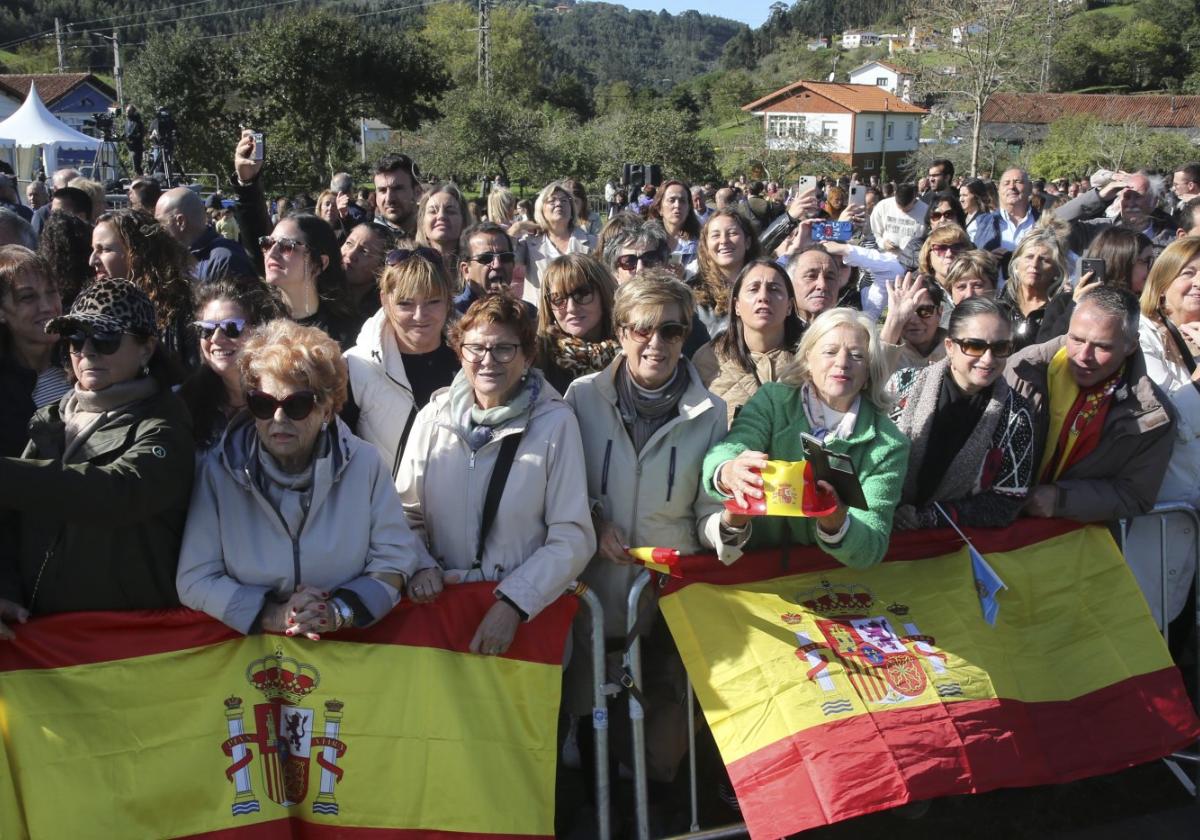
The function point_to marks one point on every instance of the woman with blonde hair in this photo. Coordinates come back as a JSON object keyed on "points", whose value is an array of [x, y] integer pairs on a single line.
{"points": [[553, 232], [940, 249], [442, 215], [1035, 274], [326, 208], [294, 526], [972, 274], [575, 328], [836, 392], [501, 206]]}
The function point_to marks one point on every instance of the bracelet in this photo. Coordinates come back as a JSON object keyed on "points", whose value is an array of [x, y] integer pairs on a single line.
{"points": [[344, 613]]}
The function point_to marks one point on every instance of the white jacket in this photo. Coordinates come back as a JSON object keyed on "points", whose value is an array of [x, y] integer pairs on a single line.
{"points": [[380, 387], [542, 536], [237, 551], [536, 250], [655, 497]]}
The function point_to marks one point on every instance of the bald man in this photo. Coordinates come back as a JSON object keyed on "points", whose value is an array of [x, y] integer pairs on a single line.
{"points": [[181, 213]]}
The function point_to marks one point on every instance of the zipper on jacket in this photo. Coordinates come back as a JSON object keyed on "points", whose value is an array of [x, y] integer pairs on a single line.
{"points": [[46, 558], [637, 491], [604, 472], [671, 474]]}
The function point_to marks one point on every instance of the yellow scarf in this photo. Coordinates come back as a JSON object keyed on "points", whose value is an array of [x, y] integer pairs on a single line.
{"points": [[1063, 394]]}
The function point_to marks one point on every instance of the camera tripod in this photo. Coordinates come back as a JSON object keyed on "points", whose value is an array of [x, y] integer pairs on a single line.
{"points": [[163, 165], [108, 163]]}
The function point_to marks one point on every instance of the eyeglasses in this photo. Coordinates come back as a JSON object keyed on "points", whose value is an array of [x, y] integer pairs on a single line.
{"points": [[671, 332], [296, 406], [558, 201], [399, 255], [233, 328], [103, 343], [582, 297], [976, 347], [489, 257], [649, 259], [502, 353], [947, 249], [286, 244], [926, 310]]}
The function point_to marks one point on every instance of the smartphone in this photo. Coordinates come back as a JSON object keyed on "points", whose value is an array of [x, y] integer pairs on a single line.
{"points": [[858, 194], [259, 151], [832, 231], [807, 182], [835, 468], [1094, 266]]}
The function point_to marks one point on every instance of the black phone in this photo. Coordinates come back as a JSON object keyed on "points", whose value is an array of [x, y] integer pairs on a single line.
{"points": [[1094, 266], [835, 468]]}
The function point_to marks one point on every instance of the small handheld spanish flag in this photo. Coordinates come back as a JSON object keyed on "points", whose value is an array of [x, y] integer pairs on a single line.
{"points": [[662, 560], [789, 489]]}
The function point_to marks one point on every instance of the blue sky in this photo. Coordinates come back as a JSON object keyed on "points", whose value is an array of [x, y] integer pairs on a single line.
{"points": [[753, 12]]}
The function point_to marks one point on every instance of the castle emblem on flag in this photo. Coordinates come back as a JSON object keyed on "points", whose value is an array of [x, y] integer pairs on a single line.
{"points": [[284, 738], [881, 665]]}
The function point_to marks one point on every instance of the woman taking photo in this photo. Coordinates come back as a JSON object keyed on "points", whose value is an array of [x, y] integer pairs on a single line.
{"points": [[441, 216], [101, 492], [130, 244], [673, 208], [972, 435], [31, 373], [761, 340], [294, 525], [226, 311], [727, 243], [835, 392], [981, 223], [1036, 272], [553, 233], [402, 355], [498, 425], [575, 332]]}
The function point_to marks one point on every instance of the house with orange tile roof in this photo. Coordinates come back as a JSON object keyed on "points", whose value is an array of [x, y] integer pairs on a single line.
{"points": [[866, 127], [1027, 116]]}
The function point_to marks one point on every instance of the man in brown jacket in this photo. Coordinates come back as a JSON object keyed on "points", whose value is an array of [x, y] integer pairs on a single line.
{"points": [[1104, 430]]}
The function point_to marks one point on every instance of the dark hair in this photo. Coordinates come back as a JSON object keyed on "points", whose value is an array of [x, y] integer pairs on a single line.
{"points": [[973, 307], [960, 217], [979, 189], [731, 344], [500, 309], [947, 167], [1191, 171], [691, 222], [66, 243], [906, 194], [158, 265], [937, 296], [148, 192], [321, 241], [1187, 216], [1119, 248], [73, 200], [399, 163], [477, 229]]}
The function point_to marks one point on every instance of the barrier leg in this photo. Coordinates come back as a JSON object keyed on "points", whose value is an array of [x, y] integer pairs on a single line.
{"points": [[691, 721], [599, 713], [637, 715], [1162, 576]]}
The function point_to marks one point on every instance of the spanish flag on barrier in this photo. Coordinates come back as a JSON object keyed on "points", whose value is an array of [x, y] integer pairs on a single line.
{"points": [[167, 724], [835, 692], [789, 489], [662, 560]]}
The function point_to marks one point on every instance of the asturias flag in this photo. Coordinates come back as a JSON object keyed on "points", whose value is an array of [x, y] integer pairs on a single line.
{"points": [[168, 724], [833, 692]]}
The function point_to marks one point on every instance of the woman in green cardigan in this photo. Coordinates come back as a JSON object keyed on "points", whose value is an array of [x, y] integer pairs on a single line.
{"points": [[835, 392]]}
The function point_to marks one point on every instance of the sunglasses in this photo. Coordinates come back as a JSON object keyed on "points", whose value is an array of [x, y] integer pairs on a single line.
{"points": [[233, 328], [582, 297], [489, 257], [399, 255], [103, 343], [935, 215], [295, 406], [976, 347], [502, 353], [629, 262], [926, 310], [671, 332], [947, 249], [286, 244]]}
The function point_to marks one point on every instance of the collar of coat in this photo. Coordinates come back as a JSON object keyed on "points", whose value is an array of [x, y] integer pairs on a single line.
{"points": [[695, 400], [235, 447]]}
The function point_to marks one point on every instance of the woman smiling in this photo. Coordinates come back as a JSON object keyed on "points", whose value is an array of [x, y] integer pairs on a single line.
{"points": [[575, 332]]}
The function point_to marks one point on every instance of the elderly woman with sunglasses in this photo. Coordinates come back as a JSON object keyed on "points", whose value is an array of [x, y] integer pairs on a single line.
{"points": [[100, 496], [294, 526], [227, 309], [554, 233], [402, 355], [972, 436], [575, 332], [492, 477], [911, 333]]}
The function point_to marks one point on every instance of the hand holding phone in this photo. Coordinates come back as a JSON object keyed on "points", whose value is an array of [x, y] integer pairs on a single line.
{"points": [[825, 231]]}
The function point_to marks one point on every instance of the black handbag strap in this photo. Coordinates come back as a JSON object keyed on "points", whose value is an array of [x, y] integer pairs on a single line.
{"points": [[1180, 343], [491, 502], [408, 425]]}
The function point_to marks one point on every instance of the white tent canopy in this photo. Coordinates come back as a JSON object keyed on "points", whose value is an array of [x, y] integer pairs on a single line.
{"points": [[32, 125]]}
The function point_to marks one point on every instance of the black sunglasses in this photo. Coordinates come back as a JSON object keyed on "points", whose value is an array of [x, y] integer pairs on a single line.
{"points": [[296, 406], [286, 244], [399, 255], [582, 297], [629, 262], [976, 347], [233, 328], [488, 257], [672, 332], [103, 343]]}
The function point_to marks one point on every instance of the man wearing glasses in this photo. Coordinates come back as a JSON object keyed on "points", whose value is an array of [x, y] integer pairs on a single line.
{"points": [[487, 265]]}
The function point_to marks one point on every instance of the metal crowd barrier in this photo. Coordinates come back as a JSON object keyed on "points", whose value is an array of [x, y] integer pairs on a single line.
{"points": [[1162, 512], [599, 707]]}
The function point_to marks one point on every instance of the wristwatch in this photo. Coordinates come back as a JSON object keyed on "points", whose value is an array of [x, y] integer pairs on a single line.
{"points": [[345, 613]]}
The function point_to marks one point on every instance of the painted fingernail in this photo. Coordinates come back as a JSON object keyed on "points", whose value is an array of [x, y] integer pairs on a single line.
{"points": [[322, 621], [320, 606]]}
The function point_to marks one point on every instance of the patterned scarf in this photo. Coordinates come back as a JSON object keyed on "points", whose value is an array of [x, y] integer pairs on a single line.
{"points": [[581, 357], [1076, 417], [478, 424]]}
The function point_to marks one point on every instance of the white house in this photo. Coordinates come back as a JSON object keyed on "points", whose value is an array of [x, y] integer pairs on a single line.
{"points": [[863, 125], [821, 43], [852, 40], [894, 79]]}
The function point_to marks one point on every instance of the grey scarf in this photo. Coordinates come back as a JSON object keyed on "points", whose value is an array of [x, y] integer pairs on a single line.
{"points": [[85, 411], [645, 412], [478, 425]]}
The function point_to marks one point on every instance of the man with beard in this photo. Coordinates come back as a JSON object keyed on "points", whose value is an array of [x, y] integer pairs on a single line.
{"points": [[397, 190], [487, 265]]}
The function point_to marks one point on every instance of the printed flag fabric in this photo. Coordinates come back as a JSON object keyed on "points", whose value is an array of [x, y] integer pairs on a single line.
{"points": [[834, 692], [662, 560], [159, 724], [789, 489]]}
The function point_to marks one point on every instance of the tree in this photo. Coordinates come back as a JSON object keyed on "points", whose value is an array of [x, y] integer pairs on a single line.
{"points": [[657, 135], [313, 76], [746, 152], [515, 46], [991, 45], [1077, 146]]}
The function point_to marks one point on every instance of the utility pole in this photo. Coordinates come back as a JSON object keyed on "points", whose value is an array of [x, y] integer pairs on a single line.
{"points": [[484, 68], [117, 71], [58, 40]]}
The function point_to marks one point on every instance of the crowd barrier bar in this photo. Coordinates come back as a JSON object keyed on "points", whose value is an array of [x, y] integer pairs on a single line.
{"points": [[599, 707], [1161, 512]]}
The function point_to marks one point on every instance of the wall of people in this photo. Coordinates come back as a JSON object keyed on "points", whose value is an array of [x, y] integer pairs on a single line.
{"points": [[293, 428]]}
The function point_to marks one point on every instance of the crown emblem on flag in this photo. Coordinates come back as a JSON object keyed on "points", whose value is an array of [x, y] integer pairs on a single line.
{"points": [[282, 678], [836, 599], [897, 609], [792, 618]]}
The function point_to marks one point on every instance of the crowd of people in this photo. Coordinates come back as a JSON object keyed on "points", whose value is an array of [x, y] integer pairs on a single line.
{"points": [[392, 390]]}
